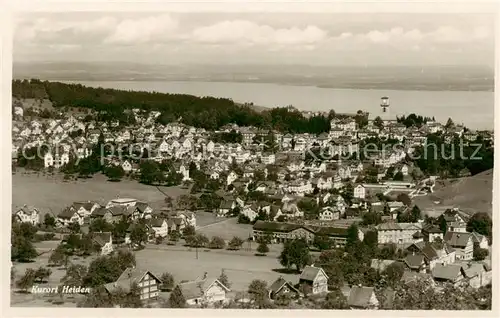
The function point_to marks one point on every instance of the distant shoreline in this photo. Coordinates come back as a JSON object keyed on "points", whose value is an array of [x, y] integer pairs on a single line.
{"points": [[399, 86]]}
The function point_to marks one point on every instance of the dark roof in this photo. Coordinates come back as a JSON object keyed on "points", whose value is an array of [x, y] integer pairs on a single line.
{"points": [[457, 239], [414, 261], [431, 229], [360, 296], [447, 272], [279, 283], [87, 205], [99, 211], [275, 226], [101, 238], [141, 206], [67, 213]]}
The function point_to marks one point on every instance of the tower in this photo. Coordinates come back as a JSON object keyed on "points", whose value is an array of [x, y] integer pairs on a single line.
{"points": [[384, 103]]}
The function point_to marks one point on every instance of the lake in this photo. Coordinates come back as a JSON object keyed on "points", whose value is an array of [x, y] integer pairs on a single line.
{"points": [[475, 109]]}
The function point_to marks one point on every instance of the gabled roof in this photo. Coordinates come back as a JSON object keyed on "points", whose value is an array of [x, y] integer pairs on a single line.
{"points": [[129, 277], [414, 261], [101, 238], [457, 239], [279, 283], [447, 272], [197, 289], [309, 273], [360, 296], [67, 213]]}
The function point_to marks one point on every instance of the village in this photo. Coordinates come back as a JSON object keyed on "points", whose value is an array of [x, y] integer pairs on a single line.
{"points": [[277, 192]]}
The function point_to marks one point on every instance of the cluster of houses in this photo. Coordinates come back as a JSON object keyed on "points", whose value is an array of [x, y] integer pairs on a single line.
{"points": [[206, 291], [159, 223]]}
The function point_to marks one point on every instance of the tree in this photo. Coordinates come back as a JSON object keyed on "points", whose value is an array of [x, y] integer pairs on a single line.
{"points": [[198, 240], [27, 280], [224, 279], [258, 293], [167, 282], [115, 173], [22, 250], [378, 122], [58, 256], [235, 243], [393, 273], [262, 248], [75, 274], [295, 252], [371, 239], [42, 274], [398, 176], [176, 299], [322, 242], [335, 300], [150, 173], [352, 235], [371, 218], [481, 223], [189, 230], [139, 234], [74, 227], [49, 220], [449, 123], [405, 198], [217, 242], [100, 225], [415, 214], [479, 254]]}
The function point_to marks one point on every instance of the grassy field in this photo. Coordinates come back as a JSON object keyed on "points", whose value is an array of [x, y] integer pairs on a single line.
{"points": [[227, 229], [241, 267], [470, 194], [50, 193]]}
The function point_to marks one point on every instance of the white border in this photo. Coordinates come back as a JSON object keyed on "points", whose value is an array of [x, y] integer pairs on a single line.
{"points": [[218, 6]]}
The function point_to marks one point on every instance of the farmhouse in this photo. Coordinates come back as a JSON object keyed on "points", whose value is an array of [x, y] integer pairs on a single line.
{"points": [[315, 278], [462, 243], [104, 241], [207, 292], [282, 287], [145, 280], [28, 214]]}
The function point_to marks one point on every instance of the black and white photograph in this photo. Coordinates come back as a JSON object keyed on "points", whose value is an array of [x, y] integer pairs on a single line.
{"points": [[252, 159]]}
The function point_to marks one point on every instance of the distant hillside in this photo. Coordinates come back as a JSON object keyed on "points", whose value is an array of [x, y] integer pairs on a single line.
{"points": [[470, 194], [204, 112]]}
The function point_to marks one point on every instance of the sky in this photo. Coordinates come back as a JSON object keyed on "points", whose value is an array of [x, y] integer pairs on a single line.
{"points": [[256, 38]]}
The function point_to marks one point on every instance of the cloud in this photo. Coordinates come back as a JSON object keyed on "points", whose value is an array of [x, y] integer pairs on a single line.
{"points": [[132, 31], [250, 33]]}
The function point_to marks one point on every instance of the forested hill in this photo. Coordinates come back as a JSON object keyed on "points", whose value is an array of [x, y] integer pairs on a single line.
{"points": [[206, 112]]}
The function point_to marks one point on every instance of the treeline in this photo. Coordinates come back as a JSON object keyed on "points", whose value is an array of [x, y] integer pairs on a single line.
{"points": [[452, 159], [413, 120], [204, 112]]}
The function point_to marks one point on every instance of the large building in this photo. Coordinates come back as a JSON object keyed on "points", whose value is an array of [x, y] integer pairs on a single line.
{"points": [[282, 232]]}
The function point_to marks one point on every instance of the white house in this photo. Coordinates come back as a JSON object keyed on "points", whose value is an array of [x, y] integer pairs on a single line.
{"points": [[28, 214], [204, 292], [360, 192], [329, 214], [105, 242], [160, 227]]}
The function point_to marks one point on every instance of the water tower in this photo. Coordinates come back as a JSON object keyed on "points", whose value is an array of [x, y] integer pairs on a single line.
{"points": [[384, 103]]}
